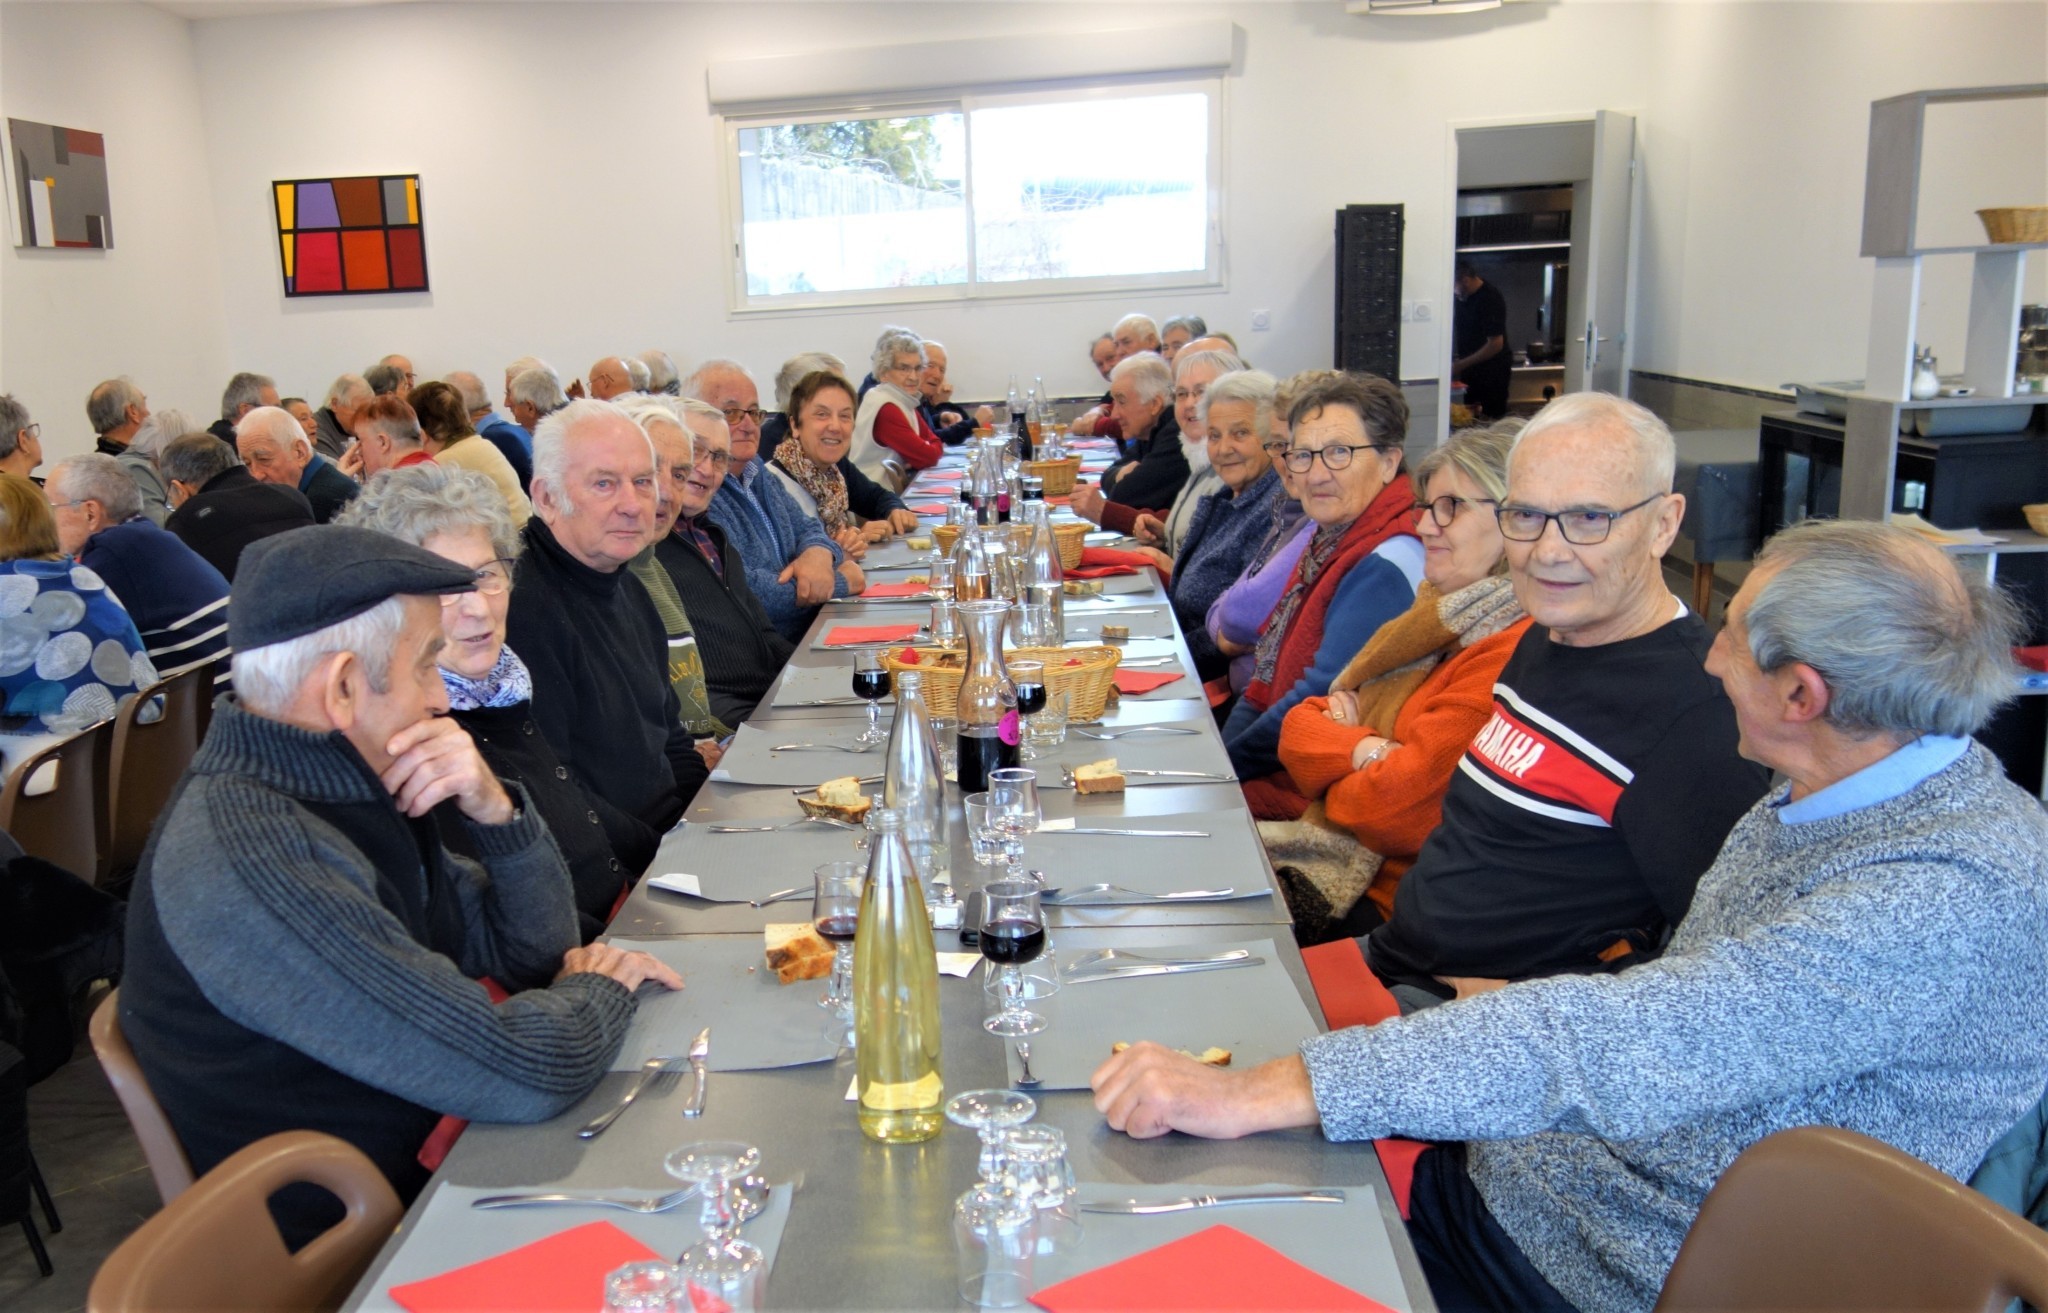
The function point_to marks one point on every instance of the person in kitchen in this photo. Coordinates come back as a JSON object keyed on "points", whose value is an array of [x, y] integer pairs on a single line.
{"points": [[1479, 337]]}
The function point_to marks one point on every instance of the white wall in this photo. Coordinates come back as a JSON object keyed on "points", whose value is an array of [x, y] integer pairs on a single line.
{"points": [[571, 171], [151, 306]]}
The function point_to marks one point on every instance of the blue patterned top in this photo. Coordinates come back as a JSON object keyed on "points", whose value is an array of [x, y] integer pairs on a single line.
{"points": [[68, 650]]}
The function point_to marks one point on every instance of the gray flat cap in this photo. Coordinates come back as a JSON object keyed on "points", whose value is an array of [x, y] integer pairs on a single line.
{"points": [[298, 582]]}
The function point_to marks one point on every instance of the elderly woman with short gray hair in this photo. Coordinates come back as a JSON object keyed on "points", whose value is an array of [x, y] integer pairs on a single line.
{"points": [[889, 419], [461, 515]]}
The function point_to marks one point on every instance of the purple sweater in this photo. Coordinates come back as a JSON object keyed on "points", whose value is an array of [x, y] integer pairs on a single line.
{"points": [[1242, 610]]}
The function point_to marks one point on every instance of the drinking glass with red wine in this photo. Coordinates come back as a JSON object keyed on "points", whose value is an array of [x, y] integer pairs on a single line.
{"points": [[835, 915], [871, 681], [1012, 934]]}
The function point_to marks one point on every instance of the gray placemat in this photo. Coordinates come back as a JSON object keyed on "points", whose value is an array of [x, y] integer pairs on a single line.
{"points": [[1144, 581], [1201, 751], [1151, 619], [831, 684], [749, 761], [897, 551], [736, 867], [756, 1022], [1230, 857], [1346, 1243], [1255, 1012], [450, 1234]]}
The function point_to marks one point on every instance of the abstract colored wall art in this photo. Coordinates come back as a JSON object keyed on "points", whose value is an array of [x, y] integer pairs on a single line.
{"points": [[60, 186], [350, 236]]}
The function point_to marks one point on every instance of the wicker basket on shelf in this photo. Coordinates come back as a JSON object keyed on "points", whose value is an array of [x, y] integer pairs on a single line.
{"points": [[1071, 537], [1085, 674], [2016, 223], [1059, 475]]}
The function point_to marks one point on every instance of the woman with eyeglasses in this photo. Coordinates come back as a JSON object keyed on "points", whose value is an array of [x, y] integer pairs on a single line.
{"points": [[1376, 755], [1358, 571], [461, 515]]}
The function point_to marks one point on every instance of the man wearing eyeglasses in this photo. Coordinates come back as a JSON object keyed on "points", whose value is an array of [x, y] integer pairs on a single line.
{"points": [[1586, 809]]}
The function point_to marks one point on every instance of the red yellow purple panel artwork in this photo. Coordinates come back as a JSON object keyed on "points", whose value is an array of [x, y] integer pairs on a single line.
{"points": [[350, 236]]}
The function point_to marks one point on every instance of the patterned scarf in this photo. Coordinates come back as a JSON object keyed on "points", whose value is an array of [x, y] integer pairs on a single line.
{"points": [[1390, 513], [1321, 550], [506, 684], [1395, 661], [825, 483]]}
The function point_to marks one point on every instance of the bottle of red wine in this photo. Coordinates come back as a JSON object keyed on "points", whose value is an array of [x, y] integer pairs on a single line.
{"points": [[989, 731]]}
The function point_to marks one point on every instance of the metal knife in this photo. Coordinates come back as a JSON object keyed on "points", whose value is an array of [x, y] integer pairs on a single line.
{"points": [[1149, 834], [700, 1053], [1147, 1207], [1158, 969]]}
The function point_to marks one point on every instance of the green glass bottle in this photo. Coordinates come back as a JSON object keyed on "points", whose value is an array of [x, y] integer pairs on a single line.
{"points": [[896, 996]]}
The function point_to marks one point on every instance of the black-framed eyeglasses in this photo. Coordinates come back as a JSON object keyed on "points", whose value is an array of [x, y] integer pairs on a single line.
{"points": [[1301, 460], [1445, 508], [733, 414], [493, 579], [1581, 528]]}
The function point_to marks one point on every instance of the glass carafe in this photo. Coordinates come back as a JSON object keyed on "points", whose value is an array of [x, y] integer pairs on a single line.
{"points": [[989, 733], [896, 997], [973, 565], [1040, 576]]}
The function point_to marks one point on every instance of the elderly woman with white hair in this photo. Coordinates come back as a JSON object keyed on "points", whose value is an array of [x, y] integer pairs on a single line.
{"points": [[1192, 374], [889, 418], [460, 514]]}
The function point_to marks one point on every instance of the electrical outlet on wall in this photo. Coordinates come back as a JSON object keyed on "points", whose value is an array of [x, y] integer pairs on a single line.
{"points": [[1262, 320], [1416, 312]]}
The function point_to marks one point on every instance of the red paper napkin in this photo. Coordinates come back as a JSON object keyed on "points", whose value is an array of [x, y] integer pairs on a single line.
{"points": [[1135, 682], [941, 476], [1113, 556], [1220, 1269], [847, 635], [1100, 571], [929, 508], [908, 588], [562, 1274]]}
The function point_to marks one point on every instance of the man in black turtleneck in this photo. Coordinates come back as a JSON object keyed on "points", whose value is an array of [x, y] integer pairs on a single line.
{"points": [[588, 631]]}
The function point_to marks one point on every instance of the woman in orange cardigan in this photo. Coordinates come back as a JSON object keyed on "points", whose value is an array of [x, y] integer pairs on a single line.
{"points": [[1376, 755]]}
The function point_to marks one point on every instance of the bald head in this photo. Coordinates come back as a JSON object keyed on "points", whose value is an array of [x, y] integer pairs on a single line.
{"points": [[609, 378]]}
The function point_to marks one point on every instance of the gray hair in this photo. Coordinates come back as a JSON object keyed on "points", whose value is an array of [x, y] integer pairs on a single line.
{"points": [[1221, 362], [196, 458], [645, 410], [161, 429], [1253, 385], [893, 342], [661, 373], [551, 444], [471, 389], [794, 369], [1480, 454], [538, 388], [1907, 643], [268, 678], [1194, 324], [100, 478], [13, 419], [107, 408], [244, 390], [420, 501], [1656, 452], [637, 373], [1148, 372], [275, 423], [1137, 321], [691, 408], [351, 390], [524, 363], [384, 380], [693, 386]]}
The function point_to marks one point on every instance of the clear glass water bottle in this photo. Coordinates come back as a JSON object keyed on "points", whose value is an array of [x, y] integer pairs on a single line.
{"points": [[914, 785]]}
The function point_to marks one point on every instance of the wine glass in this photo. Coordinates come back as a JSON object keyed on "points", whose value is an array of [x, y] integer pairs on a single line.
{"points": [[1012, 933], [1029, 677], [721, 1264], [1013, 809], [871, 681], [991, 1112], [835, 915]]}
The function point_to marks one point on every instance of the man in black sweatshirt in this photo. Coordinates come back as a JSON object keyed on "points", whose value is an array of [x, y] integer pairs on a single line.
{"points": [[588, 632]]}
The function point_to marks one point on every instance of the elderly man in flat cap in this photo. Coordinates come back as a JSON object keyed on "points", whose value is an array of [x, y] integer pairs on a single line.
{"points": [[302, 951]]}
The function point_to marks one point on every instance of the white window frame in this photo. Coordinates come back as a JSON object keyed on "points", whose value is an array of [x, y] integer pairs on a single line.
{"points": [[1210, 277]]}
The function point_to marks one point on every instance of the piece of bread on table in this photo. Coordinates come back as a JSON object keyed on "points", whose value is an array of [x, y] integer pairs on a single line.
{"points": [[840, 800], [1098, 777], [797, 952], [1209, 1057]]}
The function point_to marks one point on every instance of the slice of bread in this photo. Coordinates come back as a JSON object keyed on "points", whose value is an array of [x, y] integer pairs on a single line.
{"points": [[1209, 1057], [1098, 777], [839, 800], [797, 952]]}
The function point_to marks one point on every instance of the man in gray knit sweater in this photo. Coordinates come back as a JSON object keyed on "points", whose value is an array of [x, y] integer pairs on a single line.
{"points": [[302, 951], [1866, 952]]}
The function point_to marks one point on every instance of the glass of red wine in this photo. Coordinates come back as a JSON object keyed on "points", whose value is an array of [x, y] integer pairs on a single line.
{"points": [[1012, 934], [871, 681], [1029, 677], [835, 915]]}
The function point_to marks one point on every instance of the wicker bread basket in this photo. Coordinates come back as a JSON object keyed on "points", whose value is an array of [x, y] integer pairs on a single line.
{"points": [[1087, 682], [1059, 475], [2016, 223], [1070, 538]]}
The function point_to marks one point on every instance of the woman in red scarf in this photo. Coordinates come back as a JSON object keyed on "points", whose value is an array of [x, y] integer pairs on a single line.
{"points": [[1359, 570]]}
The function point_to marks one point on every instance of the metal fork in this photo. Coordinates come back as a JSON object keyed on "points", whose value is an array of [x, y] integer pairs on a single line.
{"points": [[1135, 729], [659, 1070]]}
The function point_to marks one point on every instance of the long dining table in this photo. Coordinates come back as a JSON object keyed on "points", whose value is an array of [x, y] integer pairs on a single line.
{"points": [[863, 1225]]}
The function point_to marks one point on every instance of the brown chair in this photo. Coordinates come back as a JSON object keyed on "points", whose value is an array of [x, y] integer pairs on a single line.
{"points": [[217, 1248], [62, 826], [148, 760], [160, 1146], [1819, 1218]]}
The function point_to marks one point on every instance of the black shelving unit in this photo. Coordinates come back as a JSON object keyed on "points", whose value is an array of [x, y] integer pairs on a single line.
{"points": [[1369, 289]]}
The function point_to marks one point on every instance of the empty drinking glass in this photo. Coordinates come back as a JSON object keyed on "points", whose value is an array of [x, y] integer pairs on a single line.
{"points": [[645, 1288], [1013, 809], [983, 838], [994, 1236], [1048, 728], [721, 1265], [945, 624], [992, 1113], [940, 579], [1034, 1167]]}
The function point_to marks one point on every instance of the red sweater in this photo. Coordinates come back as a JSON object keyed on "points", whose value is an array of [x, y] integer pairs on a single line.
{"points": [[1394, 803], [920, 448]]}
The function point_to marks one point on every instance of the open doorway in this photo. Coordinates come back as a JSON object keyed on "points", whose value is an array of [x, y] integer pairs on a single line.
{"points": [[1543, 213]]}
